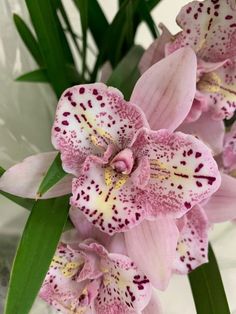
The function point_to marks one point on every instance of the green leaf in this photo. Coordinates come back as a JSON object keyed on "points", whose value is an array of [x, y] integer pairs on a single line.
{"points": [[53, 43], [35, 252], [152, 3], [207, 288], [39, 75], [146, 16], [28, 39], [97, 22], [54, 174], [126, 73], [83, 10]]}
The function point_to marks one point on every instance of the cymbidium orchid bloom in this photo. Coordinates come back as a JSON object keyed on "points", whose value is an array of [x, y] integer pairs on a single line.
{"points": [[85, 278], [209, 28], [131, 178]]}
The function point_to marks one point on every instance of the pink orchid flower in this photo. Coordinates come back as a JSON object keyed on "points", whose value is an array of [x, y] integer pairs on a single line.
{"points": [[84, 278], [209, 28], [152, 177]]}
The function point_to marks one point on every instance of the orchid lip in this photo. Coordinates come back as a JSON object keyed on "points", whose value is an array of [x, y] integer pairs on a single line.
{"points": [[123, 162]]}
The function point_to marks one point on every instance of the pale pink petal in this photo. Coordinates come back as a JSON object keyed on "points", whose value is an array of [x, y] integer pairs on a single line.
{"points": [[156, 51], [86, 229], [108, 199], [24, 179], [165, 92], [125, 289], [209, 28], [229, 152], [182, 172], [221, 205], [88, 119], [209, 131], [192, 247], [152, 246], [154, 306], [219, 89], [60, 288]]}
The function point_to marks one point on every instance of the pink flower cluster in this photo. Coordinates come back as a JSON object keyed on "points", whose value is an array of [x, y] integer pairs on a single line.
{"points": [[145, 184]]}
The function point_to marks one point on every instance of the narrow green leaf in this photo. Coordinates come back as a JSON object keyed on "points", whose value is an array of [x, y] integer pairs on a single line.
{"points": [[39, 75], [36, 249], [152, 3], [126, 73], [97, 22], [53, 44], [207, 288], [54, 174], [83, 10], [146, 16], [28, 39]]}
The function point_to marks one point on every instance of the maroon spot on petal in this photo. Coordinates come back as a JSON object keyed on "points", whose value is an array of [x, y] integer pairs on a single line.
{"points": [[137, 215], [102, 104], [73, 103], [57, 129], [195, 16], [216, 13], [65, 122], [197, 155], [199, 167], [77, 118], [228, 17], [99, 97], [199, 184], [68, 94], [190, 152], [65, 114], [179, 187], [209, 179], [81, 90], [189, 10], [233, 25], [82, 106], [183, 162], [188, 31], [95, 92], [187, 205]]}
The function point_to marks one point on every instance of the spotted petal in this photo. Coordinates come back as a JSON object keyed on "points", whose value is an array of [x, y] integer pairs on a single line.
{"points": [[192, 246], [61, 289], [219, 89], [229, 153], [182, 172], [209, 28], [124, 290], [88, 119], [108, 199]]}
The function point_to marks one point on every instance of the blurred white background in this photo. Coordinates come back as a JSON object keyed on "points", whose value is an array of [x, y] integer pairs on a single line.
{"points": [[26, 113]]}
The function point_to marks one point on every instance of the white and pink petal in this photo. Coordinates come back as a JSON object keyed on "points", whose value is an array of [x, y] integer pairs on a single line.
{"points": [[88, 119], [209, 28], [219, 89], [182, 172], [192, 247], [125, 289]]}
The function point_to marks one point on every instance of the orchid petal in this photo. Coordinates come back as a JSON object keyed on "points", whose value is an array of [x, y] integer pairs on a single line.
{"points": [[221, 205], [152, 246], [229, 152], [60, 289], [219, 89], [88, 119], [23, 179], [107, 199], [153, 306], [182, 172], [209, 131], [209, 28], [125, 289], [193, 242], [156, 51], [165, 92]]}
